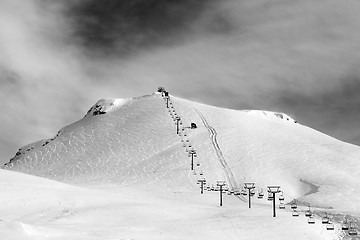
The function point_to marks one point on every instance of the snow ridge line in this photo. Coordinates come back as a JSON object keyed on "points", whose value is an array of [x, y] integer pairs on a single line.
{"points": [[213, 136]]}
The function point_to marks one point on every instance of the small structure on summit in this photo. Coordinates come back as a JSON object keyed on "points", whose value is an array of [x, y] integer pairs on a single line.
{"points": [[161, 89], [193, 125]]}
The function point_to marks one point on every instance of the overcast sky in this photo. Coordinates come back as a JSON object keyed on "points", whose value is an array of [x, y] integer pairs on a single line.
{"points": [[57, 58]]}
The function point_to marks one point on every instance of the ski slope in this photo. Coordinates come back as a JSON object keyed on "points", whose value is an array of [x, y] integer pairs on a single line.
{"points": [[38, 208], [126, 157]]}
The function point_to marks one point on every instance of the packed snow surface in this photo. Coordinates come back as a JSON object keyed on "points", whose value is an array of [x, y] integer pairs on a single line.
{"points": [[125, 174]]}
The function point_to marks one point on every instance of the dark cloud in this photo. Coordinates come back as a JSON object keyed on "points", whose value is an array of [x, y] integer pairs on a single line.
{"points": [[334, 112], [122, 27]]}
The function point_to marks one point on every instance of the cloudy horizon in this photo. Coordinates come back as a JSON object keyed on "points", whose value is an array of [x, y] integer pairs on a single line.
{"points": [[58, 59]]}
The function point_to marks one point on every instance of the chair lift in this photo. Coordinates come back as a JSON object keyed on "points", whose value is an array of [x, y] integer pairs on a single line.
{"points": [[260, 194], [308, 213], [243, 192], [281, 197], [270, 196], [325, 219], [352, 231], [345, 225], [212, 188], [208, 188], [294, 205], [281, 206], [295, 213], [330, 226], [237, 192], [252, 192], [311, 220], [198, 164], [231, 191]]}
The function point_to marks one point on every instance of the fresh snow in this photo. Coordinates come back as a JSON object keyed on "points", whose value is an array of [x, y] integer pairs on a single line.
{"points": [[36, 208], [126, 175]]}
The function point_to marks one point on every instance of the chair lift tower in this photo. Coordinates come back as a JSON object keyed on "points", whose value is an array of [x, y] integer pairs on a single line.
{"points": [[192, 154], [249, 186], [202, 181], [167, 98], [221, 184], [273, 190], [177, 124]]}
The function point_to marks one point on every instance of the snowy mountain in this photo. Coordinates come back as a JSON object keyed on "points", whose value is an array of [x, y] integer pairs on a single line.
{"points": [[130, 147]]}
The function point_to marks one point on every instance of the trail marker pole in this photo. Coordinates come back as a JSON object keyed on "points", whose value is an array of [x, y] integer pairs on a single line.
{"points": [[221, 184], [249, 186], [274, 190], [202, 181]]}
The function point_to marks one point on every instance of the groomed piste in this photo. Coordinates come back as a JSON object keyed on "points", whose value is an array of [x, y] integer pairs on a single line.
{"points": [[133, 169]]}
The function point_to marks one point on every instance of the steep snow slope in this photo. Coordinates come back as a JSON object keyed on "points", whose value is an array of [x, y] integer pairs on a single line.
{"points": [[134, 143]]}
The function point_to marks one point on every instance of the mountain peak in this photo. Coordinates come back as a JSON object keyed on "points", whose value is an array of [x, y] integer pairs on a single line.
{"points": [[135, 142]]}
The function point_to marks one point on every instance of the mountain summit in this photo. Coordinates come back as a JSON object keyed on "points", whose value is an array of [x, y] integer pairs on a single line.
{"points": [[134, 142]]}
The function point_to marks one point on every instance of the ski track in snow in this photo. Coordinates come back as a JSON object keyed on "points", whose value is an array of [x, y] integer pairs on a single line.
{"points": [[213, 136], [225, 167]]}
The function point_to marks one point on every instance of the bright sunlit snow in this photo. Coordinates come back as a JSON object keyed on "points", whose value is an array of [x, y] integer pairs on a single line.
{"points": [[126, 175]]}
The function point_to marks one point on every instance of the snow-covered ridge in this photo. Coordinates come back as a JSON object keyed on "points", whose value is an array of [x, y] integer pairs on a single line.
{"points": [[272, 115], [102, 106], [106, 105]]}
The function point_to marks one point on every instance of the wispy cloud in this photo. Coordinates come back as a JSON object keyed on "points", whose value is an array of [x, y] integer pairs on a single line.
{"points": [[40, 74]]}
